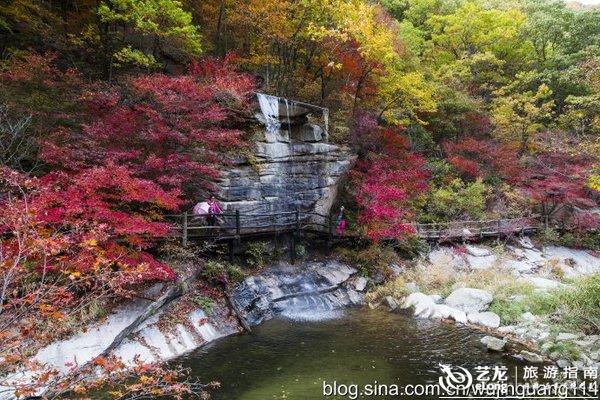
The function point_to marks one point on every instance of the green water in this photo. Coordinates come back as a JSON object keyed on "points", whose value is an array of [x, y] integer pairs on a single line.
{"points": [[284, 359]]}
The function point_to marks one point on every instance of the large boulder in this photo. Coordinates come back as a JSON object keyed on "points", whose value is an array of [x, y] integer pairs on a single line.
{"points": [[477, 251], [421, 303], [583, 262], [447, 256], [469, 300], [442, 311]]}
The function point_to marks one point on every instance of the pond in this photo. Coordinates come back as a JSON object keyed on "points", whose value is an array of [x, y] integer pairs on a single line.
{"points": [[290, 359]]}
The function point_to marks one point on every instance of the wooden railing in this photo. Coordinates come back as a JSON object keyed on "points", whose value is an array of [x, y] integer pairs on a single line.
{"points": [[237, 225]]}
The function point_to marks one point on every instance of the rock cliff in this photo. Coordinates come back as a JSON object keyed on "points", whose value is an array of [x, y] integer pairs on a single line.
{"points": [[292, 165]]}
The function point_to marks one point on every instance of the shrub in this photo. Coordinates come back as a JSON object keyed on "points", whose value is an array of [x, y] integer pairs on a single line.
{"points": [[214, 270], [373, 258], [235, 273], [257, 254], [395, 288], [548, 236]]}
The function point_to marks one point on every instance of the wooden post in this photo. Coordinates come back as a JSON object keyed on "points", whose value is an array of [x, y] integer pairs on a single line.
{"points": [[184, 238], [232, 250], [329, 230], [499, 229], [293, 248], [234, 243], [480, 226]]}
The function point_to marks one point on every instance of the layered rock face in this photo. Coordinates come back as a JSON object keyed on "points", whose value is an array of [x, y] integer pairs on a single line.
{"points": [[313, 291], [292, 167]]}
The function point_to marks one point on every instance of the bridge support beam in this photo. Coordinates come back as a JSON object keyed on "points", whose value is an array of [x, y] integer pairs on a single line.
{"points": [[293, 248]]}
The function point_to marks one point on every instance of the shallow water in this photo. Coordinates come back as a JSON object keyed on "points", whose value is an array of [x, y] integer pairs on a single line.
{"points": [[287, 359]]}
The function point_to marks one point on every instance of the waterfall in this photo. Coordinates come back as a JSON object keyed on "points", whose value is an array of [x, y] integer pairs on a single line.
{"points": [[287, 112], [269, 106]]}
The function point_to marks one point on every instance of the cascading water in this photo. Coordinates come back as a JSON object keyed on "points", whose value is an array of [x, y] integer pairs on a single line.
{"points": [[269, 107], [287, 114], [312, 292], [326, 120]]}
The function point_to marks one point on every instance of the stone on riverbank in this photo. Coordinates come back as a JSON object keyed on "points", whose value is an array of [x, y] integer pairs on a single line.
{"points": [[360, 284], [543, 283], [531, 357], [437, 298], [421, 303], [487, 318], [390, 302], [493, 343], [469, 300], [412, 287], [442, 311]]}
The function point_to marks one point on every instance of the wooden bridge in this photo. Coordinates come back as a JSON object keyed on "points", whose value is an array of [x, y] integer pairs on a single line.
{"points": [[233, 227]]}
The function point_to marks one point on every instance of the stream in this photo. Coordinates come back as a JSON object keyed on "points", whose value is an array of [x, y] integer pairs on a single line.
{"points": [[289, 358]]}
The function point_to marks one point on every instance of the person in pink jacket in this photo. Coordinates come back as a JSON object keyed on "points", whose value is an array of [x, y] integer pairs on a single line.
{"points": [[341, 222], [214, 209]]}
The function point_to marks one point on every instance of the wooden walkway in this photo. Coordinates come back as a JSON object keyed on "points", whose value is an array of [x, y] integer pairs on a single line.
{"points": [[234, 226]]}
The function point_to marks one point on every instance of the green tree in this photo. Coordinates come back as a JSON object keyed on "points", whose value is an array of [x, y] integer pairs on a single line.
{"points": [[141, 32], [519, 116]]}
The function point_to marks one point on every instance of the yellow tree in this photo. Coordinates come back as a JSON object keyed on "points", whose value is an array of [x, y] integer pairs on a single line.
{"points": [[519, 116]]}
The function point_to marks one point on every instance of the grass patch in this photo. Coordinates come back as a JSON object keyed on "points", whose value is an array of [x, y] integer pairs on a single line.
{"points": [[436, 278], [579, 307], [565, 350], [576, 308], [205, 303], [510, 311]]}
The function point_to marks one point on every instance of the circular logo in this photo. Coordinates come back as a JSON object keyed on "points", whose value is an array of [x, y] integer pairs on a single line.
{"points": [[455, 378]]}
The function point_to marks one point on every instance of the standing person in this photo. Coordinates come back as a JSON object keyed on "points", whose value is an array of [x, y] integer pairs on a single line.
{"points": [[341, 222], [214, 209]]}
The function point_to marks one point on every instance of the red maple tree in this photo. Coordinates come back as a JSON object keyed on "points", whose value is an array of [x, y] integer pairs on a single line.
{"points": [[388, 180], [557, 180], [486, 159]]}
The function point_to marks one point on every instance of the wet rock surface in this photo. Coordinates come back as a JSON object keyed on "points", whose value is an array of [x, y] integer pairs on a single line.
{"points": [[292, 167], [305, 291]]}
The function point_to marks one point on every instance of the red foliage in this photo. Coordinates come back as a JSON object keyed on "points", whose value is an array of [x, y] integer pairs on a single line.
{"points": [[144, 143], [554, 180], [387, 183], [166, 129], [475, 124], [484, 159]]}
